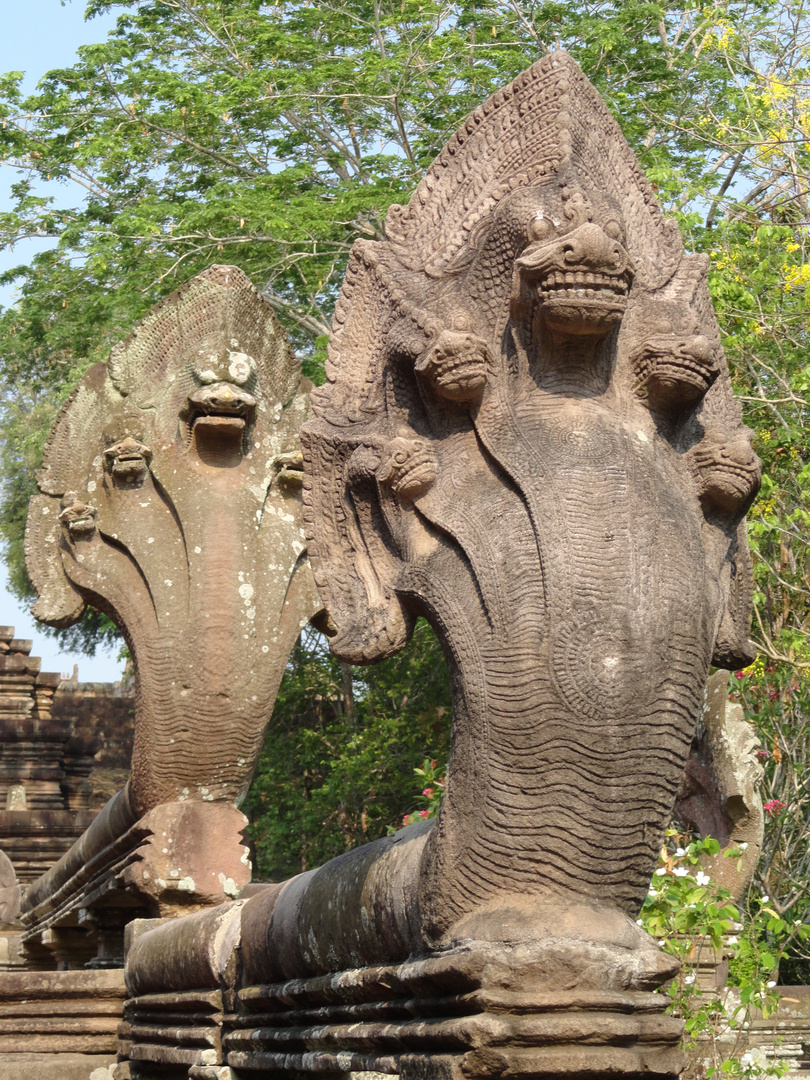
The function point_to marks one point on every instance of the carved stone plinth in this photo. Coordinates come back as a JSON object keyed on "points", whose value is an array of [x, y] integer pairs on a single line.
{"points": [[56, 1012], [477, 1012]]}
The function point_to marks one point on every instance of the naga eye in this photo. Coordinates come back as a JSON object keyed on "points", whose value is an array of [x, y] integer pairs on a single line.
{"points": [[613, 230], [540, 229]]}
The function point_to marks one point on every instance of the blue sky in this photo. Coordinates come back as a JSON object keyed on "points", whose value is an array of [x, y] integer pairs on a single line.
{"points": [[39, 35]]}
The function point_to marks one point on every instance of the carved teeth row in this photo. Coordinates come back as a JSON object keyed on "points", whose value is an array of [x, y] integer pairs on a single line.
{"points": [[581, 293], [581, 280]]}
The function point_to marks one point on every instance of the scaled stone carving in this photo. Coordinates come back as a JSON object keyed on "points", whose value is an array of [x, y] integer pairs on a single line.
{"points": [[170, 499], [528, 436]]}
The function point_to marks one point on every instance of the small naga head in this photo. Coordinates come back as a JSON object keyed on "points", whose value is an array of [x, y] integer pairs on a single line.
{"points": [[674, 370], [127, 460], [577, 268], [407, 466], [457, 363], [728, 472], [222, 410], [77, 517], [404, 464]]}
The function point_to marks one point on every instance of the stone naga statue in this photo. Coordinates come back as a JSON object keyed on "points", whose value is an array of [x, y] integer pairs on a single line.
{"points": [[528, 437], [170, 499]]}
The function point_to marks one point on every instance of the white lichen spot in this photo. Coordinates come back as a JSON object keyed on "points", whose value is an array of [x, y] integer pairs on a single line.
{"points": [[186, 884], [240, 367], [246, 591], [97, 461], [642, 436], [80, 558], [174, 873], [197, 550], [251, 613], [229, 886], [265, 648], [46, 510], [165, 851], [167, 582], [91, 486], [150, 539]]}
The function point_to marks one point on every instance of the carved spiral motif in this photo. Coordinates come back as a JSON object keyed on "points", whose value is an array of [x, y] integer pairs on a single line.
{"points": [[600, 665]]}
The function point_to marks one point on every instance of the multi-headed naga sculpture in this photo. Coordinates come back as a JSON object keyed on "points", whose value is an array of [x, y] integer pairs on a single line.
{"points": [[170, 499], [528, 437]]}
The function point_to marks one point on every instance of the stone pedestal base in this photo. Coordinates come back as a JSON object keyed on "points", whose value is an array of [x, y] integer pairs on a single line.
{"points": [[461, 1016]]}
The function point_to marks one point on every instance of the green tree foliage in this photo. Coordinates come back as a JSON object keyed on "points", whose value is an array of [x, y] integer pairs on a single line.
{"points": [[272, 134], [337, 763]]}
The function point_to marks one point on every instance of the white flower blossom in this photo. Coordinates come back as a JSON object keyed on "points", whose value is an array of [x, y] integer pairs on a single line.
{"points": [[689, 980], [661, 870], [639, 922], [771, 985], [702, 879], [765, 899], [732, 940], [680, 871], [744, 845], [662, 942], [680, 852]]}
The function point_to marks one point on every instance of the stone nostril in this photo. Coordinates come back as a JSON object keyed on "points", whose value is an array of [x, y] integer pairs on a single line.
{"points": [[700, 348]]}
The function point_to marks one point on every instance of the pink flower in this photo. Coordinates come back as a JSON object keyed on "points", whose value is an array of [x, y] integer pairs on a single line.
{"points": [[428, 792], [424, 813], [774, 806]]}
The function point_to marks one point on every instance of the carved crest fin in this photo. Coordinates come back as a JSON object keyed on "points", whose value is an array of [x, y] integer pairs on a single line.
{"points": [[527, 134]]}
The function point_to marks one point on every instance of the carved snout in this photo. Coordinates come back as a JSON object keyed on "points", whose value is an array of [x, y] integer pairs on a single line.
{"points": [[128, 460], [79, 518], [456, 366], [728, 474], [590, 247], [222, 399]]}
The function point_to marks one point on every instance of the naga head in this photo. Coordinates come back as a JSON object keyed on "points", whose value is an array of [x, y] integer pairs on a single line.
{"points": [[127, 460], [221, 411], [576, 267]]}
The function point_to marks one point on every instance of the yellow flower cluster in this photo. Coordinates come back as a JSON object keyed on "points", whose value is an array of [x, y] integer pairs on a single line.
{"points": [[797, 277]]}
